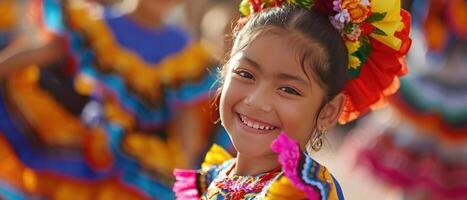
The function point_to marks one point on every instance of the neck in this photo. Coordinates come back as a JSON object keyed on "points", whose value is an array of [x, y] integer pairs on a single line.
{"points": [[146, 18], [252, 165]]}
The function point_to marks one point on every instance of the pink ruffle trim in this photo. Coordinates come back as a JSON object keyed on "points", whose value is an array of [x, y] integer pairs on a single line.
{"points": [[289, 156], [185, 185]]}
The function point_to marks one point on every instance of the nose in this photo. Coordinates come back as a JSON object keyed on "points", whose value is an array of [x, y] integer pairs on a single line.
{"points": [[259, 99]]}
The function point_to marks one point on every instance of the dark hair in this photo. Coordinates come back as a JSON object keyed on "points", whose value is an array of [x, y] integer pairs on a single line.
{"points": [[321, 46]]}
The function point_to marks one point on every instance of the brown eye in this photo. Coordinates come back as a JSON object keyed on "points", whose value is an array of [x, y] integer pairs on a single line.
{"points": [[244, 74], [290, 90]]}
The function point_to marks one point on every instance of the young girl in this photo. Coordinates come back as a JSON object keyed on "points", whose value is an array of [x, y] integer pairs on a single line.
{"points": [[290, 78]]}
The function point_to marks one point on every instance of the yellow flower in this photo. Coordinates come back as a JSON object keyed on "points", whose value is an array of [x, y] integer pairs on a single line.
{"points": [[352, 46], [354, 62], [358, 12]]}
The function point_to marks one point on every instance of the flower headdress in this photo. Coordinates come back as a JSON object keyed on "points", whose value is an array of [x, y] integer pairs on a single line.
{"points": [[376, 34]]}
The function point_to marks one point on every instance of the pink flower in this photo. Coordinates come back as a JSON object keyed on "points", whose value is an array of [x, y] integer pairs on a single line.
{"points": [[339, 26], [185, 184], [289, 152], [289, 157], [337, 5], [365, 2], [355, 34], [343, 16]]}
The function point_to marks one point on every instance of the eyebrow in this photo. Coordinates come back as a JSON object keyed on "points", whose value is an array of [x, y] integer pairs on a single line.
{"points": [[283, 76]]}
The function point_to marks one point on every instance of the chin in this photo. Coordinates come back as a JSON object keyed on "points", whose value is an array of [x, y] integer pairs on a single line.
{"points": [[251, 147]]}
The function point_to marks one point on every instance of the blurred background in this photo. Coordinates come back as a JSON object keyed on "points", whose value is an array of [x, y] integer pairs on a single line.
{"points": [[101, 99]]}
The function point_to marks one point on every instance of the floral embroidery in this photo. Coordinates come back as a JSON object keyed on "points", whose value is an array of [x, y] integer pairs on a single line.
{"points": [[239, 187]]}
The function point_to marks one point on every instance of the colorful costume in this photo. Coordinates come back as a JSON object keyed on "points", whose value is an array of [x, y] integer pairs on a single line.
{"points": [[139, 89], [301, 178], [423, 150], [376, 36], [88, 125]]}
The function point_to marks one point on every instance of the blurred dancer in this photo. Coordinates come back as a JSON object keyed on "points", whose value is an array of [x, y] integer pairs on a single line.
{"points": [[424, 150], [127, 93]]}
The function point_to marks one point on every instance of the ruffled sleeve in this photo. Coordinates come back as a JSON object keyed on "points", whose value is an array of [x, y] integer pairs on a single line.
{"points": [[191, 184], [303, 177]]}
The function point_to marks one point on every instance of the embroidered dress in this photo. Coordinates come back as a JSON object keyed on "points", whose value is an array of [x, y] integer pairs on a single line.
{"points": [[300, 177]]}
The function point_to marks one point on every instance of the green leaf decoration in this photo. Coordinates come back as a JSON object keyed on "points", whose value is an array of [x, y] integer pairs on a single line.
{"points": [[348, 28], [379, 32], [364, 40], [307, 4], [376, 17], [353, 73], [363, 53]]}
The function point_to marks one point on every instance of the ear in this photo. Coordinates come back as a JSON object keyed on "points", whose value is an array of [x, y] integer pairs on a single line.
{"points": [[331, 112]]}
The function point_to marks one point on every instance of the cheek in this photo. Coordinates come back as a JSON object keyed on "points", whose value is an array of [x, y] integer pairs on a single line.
{"points": [[298, 120], [229, 96]]}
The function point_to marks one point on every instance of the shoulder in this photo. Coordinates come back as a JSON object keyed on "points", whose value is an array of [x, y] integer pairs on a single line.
{"points": [[302, 177]]}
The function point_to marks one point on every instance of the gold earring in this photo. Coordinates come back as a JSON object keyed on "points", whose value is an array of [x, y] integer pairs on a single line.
{"points": [[317, 142]]}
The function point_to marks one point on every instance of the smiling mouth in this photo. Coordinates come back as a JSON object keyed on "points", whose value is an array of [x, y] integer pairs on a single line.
{"points": [[255, 124]]}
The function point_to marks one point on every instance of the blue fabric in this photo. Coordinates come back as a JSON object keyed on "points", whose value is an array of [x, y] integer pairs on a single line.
{"points": [[5, 38], [312, 178], [53, 16], [9, 193], [340, 194], [40, 159], [153, 45]]}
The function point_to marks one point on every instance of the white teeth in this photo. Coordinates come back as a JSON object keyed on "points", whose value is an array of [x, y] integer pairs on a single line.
{"points": [[254, 125]]}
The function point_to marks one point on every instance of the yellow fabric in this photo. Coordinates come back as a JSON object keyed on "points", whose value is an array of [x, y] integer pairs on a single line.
{"points": [[283, 189], [390, 24], [215, 156], [327, 176], [140, 145]]}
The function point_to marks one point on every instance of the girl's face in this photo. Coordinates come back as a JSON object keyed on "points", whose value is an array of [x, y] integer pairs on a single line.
{"points": [[265, 92]]}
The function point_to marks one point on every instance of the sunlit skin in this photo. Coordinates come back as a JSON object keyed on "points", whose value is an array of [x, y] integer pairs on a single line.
{"points": [[265, 84]]}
